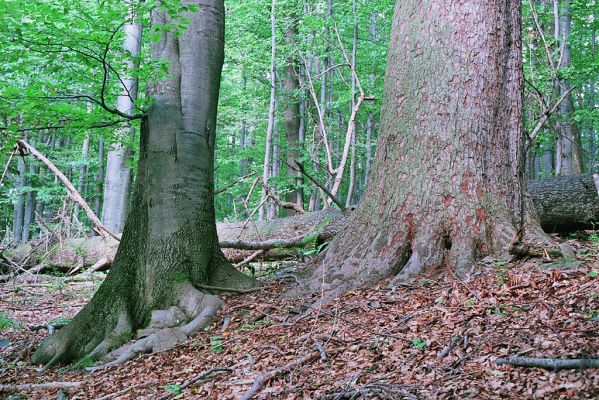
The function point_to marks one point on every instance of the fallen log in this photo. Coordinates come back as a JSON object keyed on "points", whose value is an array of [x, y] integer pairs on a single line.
{"points": [[564, 204], [567, 203], [554, 364]]}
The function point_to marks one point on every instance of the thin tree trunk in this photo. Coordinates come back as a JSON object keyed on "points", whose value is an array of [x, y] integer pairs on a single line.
{"points": [[271, 111], [293, 122], [570, 151], [275, 168], [352, 163], [81, 183], [29, 212], [19, 204], [99, 177], [118, 170]]}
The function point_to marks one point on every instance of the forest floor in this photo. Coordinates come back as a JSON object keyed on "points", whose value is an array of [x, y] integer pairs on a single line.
{"points": [[381, 342]]}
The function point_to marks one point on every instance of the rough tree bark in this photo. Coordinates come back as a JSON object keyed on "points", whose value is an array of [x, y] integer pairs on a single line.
{"points": [[447, 187], [169, 245]]}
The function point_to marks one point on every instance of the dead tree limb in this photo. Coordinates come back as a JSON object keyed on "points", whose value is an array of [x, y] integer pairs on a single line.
{"points": [[553, 364], [30, 387], [283, 204], [231, 184], [267, 376], [322, 187], [73, 193], [197, 378], [268, 244]]}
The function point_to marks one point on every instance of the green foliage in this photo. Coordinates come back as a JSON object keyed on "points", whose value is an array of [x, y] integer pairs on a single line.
{"points": [[216, 344], [418, 343], [6, 322]]}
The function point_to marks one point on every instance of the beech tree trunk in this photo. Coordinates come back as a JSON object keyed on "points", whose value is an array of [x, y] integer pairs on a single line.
{"points": [[169, 245], [118, 170], [447, 186], [569, 160], [19, 204], [292, 122]]}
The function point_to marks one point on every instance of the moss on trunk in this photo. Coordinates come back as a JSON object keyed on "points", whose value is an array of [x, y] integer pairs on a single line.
{"points": [[169, 243]]}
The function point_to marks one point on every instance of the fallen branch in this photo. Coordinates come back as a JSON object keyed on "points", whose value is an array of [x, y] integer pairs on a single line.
{"points": [[267, 376], [231, 184], [322, 187], [73, 193], [29, 387], [283, 204], [554, 364], [195, 379], [267, 244], [249, 259]]}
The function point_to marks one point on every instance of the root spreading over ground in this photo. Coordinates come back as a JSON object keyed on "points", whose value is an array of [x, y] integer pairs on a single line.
{"points": [[436, 336]]}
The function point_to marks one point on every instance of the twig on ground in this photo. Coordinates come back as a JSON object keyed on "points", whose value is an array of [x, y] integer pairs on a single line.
{"points": [[554, 364], [267, 376], [197, 378]]}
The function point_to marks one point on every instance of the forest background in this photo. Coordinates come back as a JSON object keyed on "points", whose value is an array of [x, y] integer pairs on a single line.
{"points": [[296, 74]]}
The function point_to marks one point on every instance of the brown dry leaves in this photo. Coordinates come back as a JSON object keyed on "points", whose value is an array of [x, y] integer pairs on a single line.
{"points": [[380, 342]]}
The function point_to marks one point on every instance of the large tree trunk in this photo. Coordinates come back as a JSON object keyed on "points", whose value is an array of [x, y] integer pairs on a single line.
{"points": [[447, 186], [118, 170], [169, 245]]}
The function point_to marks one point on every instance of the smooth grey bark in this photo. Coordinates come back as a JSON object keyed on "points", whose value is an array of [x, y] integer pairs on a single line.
{"points": [[30, 202], [19, 204], [569, 149], [548, 163], [263, 212], [99, 177], [293, 120], [169, 247], [82, 179], [352, 163], [118, 170], [273, 208]]}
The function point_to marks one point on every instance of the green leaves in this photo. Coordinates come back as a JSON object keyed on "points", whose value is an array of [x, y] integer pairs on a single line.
{"points": [[216, 344]]}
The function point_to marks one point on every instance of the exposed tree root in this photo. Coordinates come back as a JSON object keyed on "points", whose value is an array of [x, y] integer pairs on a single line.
{"points": [[167, 327]]}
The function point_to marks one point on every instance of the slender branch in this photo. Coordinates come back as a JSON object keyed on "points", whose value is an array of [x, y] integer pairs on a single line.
{"points": [[546, 116], [231, 184], [322, 187], [100, 228]]}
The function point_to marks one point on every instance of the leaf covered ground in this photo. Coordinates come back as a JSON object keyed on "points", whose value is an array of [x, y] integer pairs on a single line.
{"points": [[435, 337]]}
